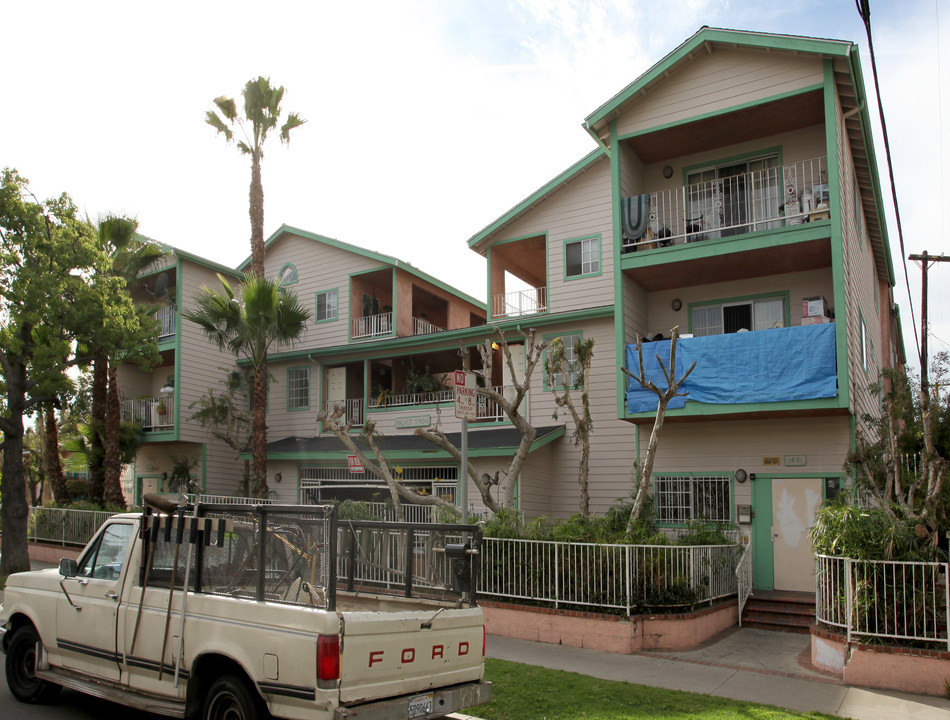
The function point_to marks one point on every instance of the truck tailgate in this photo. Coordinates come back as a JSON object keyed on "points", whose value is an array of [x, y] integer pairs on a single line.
{"points": [[385, 654]]}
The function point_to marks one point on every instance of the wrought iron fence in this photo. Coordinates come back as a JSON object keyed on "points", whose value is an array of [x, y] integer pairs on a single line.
{"points": [[885, 599], [744, 578], [607, 576], [63, 526]]}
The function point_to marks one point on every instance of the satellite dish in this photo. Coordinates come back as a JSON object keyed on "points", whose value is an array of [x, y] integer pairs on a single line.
{"points": [[161, 286]]}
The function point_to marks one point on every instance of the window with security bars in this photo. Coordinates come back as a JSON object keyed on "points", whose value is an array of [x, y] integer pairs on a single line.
{"points": [[684, 498], [298, 388]]}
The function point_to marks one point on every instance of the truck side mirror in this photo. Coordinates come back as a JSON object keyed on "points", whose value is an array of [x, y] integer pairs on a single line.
{"points": [[68, 567]]}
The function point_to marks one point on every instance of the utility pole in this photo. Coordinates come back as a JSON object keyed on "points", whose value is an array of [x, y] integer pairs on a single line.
{"points": [[925, 261]]}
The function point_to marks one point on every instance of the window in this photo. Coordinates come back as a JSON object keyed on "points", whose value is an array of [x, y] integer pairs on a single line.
{"points": [[287, 275], [327, 305], [298, 388], [738, 316], [582, 257], [684, 498], [570, 362], [104, 559]]}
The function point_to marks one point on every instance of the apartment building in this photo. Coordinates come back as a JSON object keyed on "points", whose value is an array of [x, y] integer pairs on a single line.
{"points": [[731, 192]]}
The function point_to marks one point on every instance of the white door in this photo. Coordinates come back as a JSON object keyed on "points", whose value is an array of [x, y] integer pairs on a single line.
{"points": [[86, 611], [794, 502], [336, 384]]}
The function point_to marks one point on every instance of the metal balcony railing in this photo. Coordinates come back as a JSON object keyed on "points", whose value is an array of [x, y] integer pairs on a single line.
{"points": [[151, 413], [166, 317], [520, 302], [373, 325], [760, 200], [352, 410], [424, 327]]}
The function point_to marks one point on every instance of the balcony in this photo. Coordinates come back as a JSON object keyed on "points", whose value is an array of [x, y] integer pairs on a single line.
{"points": [[521, 302], [372, 326], [352, 410], [764, 366], [486, 410], [150, 413], [766, 199], [424, 327], [166, 317]]}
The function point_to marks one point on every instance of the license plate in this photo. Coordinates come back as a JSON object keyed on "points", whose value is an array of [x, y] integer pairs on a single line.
{"points": [[420, 705]]}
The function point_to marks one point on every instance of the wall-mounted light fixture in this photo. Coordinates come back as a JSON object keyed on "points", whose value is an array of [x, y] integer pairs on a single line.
{"points": [[278, 477], [667, 172], [676, 304], [740, 475]]}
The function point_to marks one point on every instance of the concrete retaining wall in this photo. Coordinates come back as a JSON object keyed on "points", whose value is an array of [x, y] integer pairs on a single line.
{"points": [[610, 633], [886, 667]]}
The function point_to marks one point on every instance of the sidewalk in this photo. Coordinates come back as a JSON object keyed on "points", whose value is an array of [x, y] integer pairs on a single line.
{"points": [[743, 664]]}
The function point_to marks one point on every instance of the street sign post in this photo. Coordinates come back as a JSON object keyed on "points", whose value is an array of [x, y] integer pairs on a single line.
{"points": [[466, 408]]}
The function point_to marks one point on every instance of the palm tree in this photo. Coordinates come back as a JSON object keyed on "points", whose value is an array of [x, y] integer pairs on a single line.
{"points": [[117, 237], [264, 315], [261, 115]]}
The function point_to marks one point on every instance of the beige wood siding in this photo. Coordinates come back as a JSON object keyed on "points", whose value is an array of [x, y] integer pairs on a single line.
{"points": [[582, 208], [727, 78]]}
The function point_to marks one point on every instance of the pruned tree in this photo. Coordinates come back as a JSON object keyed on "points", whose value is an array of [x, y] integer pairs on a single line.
{"points": [[375, 461], [642, 475], [567, 374], [511, 404], [900, 459]]}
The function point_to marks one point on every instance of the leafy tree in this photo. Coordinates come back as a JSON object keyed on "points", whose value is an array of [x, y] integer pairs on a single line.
{"points": [[264, 315], [558, 365], [643, 473], [510, 401], [117, 340], [262, 113], [53, 285], [222, 413]]}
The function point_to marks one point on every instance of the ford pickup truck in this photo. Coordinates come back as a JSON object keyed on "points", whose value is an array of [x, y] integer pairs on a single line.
{"points": [[224, 611]]}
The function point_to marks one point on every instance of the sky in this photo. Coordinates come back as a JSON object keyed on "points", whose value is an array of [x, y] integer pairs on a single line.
{"points": [[426, 119]]}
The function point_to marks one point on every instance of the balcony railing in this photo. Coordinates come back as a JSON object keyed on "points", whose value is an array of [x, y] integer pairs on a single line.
{"points": [[410, 399], [520, 302], [166, 322], [352, 410], [760, 200], [373, 325], [151, 413], [424, 327]]}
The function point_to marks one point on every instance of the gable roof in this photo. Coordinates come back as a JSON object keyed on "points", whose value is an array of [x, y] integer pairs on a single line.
{"points": [[285, 229]]}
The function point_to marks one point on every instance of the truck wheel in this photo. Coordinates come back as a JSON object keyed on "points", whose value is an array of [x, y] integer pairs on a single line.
{"points": [[21, 668], [229, 698]]}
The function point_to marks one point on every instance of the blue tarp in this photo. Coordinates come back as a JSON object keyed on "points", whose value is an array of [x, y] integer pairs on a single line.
{"points": [[793, 363]]}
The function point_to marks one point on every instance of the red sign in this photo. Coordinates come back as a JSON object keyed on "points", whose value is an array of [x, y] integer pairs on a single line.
{"points": [[465, 402], [354, 464]]}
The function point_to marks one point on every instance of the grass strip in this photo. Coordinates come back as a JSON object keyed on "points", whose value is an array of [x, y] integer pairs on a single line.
{"points": [[528, 692]]}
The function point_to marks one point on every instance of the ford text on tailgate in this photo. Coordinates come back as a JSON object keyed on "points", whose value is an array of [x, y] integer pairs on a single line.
{"points": [[223, 610]]}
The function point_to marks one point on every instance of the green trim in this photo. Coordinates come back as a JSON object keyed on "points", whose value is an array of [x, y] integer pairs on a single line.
{"points": [[537, 196], [420, 455], [840, 282], [763, 562], [378, 257], [775, 150], [309, 388], [179, 270], [740, 299], [316, 304], [296, 275], [757, 240], [350, 318], [544, 357], [698, 409], [620, 316], [581, 240], [836, 48]]}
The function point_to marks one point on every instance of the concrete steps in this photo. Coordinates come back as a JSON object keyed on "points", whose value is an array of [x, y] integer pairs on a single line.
{"points": [[781, 611]]}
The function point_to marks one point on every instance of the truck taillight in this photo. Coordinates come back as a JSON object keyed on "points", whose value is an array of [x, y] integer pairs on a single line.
{"points": [[328, 657], [483, 641]]}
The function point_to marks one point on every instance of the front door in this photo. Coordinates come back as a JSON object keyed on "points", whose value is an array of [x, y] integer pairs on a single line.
{"points": [[794, 503], [86, 618]]}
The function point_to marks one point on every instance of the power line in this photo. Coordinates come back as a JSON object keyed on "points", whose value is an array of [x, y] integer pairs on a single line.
{"points": [[864, 10]]}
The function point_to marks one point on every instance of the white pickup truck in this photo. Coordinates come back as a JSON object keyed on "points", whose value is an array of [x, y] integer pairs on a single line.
{"points": [[287, 611]]}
